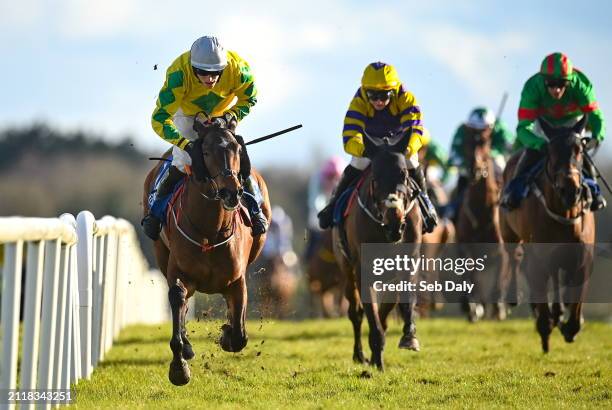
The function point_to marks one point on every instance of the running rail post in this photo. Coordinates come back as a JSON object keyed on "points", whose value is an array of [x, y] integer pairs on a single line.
{"points": [[11, 291]]}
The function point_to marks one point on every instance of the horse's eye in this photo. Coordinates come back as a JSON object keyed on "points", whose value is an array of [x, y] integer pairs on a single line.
{"points": [[206, 153]]}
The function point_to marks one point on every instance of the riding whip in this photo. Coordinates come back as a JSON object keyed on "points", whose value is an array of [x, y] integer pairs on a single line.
{"points": [[590, 161], [275, 134]]}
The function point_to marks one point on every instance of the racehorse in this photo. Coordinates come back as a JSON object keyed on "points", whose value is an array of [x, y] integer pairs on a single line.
{"points": [[325, 279], [478, 222], [388, 212], [556, 213], [276, 284], [206, 246]]}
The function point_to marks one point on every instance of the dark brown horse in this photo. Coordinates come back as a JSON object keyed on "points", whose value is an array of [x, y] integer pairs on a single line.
{"points": [[555, 213], [325, 279], [478, 222], [205, 246], [388, 212]]}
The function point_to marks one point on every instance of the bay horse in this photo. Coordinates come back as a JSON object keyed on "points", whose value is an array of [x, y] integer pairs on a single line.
{"points": [[206, 246], [478, 222], [556, 213], [388, 212], [325, 279]]}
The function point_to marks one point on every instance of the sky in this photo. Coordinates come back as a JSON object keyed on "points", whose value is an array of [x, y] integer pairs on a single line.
{"points": [[89, 65]]}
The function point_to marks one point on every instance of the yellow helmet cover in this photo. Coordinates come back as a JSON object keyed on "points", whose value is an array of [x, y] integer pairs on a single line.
{"points": [[380, 76]]}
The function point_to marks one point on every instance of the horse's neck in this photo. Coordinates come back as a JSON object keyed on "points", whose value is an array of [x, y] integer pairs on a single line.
{"points": [[208, 216], [484, 192]]}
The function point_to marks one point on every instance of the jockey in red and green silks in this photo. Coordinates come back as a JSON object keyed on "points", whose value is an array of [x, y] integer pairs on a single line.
{"points": [[560, 94], [380, 107]]}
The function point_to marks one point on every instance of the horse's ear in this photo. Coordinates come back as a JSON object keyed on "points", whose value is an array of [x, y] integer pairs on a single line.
{"points": [[548, 129], [197, 161], [401, 145], [580, 125]]}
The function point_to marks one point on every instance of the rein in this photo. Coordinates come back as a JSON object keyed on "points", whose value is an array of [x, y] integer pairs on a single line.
{"points": [[203, 244]]}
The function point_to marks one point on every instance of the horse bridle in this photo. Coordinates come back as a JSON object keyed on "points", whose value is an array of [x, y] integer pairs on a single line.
{"points": [[378, 219], [225, 172]]}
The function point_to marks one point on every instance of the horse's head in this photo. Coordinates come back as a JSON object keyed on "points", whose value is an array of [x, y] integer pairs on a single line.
{"points": [[565, 153], [477, 150], [220, 152], [389, 185]]}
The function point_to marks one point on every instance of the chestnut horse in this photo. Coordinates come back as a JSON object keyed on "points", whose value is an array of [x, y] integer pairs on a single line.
{"points": [[478, 222], [556, 213], [205, 245], [388, 212]]}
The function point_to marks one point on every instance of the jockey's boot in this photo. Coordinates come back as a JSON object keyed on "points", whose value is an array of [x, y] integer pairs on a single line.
{"points": [[429, 211], [599, 202], [517, 188], [349, 176], [151, 223], [258, 219]]}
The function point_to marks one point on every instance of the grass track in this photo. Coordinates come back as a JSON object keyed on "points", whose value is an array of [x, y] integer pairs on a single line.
{"points": [[308, 365]]}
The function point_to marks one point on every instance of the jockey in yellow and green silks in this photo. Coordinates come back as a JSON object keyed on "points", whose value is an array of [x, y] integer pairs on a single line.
{"points": [[561, 95], [380, 107], [207, 79]]}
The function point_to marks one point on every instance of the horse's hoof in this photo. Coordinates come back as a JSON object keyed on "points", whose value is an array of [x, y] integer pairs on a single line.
{"points": [[545, 347], [188, 352], [179, 373], [476, 312], [240, 344], [359, 358], [501, 313], [568, 335], [410, 343], [226, 338]]}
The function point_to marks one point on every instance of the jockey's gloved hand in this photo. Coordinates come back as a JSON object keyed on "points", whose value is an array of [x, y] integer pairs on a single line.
{"points": [[189, 147], [227, 120]]}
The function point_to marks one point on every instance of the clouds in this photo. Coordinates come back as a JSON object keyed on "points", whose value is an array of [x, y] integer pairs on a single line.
{"points": [[91, 62], [480, 61]]}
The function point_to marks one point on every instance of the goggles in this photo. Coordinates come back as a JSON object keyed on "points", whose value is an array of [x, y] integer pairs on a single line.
{"points": [[199, 71], [556, 82], [379, 95]]}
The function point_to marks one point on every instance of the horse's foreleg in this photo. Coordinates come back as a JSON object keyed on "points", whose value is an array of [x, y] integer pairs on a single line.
{"points": [[376, 336], [502, 285], [544, 324], [355, 314], [409, 340], [383, 313], [234, 337], [188, 352], [179, 373]]}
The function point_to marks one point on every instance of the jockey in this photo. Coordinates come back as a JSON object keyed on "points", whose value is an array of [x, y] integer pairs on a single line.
{"points": [[561, 95], [205, 79], [481, 120], [380, 106]]}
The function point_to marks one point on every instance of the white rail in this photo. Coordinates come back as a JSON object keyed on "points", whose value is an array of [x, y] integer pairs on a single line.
{"points": [[85, 279]]}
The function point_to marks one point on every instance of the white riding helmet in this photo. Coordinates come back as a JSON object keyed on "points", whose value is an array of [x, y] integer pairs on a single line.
{"points": [[208, 55], [481, 118]]}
